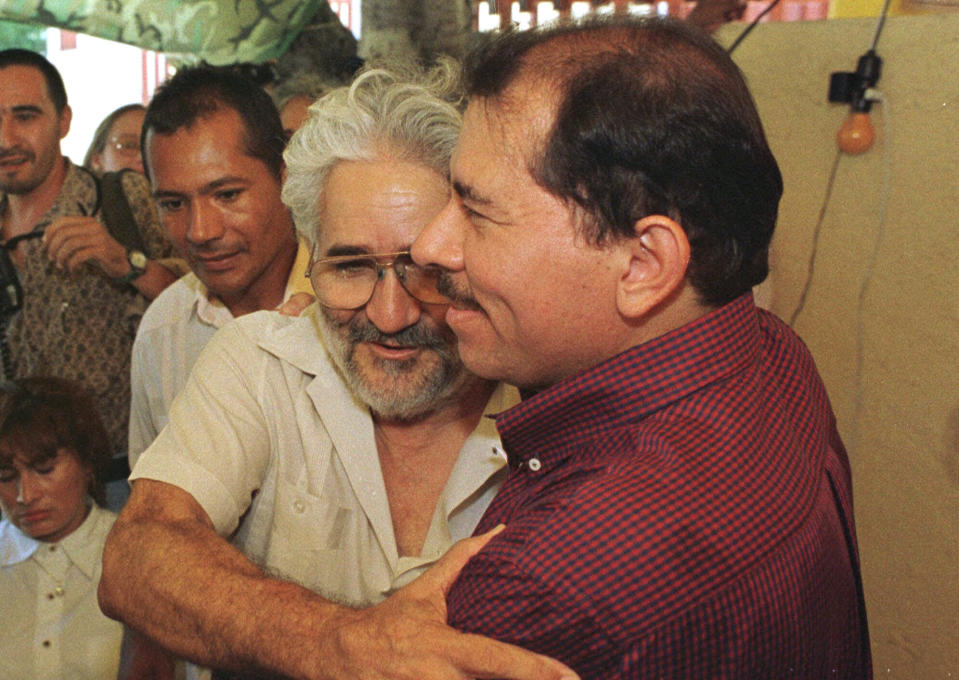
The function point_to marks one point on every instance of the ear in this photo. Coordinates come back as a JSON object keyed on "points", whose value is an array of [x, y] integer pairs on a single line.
{"points": [[66, 116], [96, 163], [655, 262]]}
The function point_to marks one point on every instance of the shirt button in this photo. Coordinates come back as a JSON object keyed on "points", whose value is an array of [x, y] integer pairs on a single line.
{"points": [[299, 507], [46, 643], [534, 464]]}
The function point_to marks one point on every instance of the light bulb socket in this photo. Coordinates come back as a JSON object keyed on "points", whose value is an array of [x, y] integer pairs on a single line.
{"points": [[850, 87]]}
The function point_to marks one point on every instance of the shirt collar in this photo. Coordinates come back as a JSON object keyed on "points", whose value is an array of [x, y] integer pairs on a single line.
{"points": [[15, 546], [82, 546], [630, 386], [210, 309]]}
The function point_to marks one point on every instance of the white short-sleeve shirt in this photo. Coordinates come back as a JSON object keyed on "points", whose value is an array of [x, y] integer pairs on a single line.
{"points": [[266, 430], [174, 330], [51, 626]]}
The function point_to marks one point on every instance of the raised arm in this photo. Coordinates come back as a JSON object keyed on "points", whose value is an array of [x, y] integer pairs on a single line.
{"points": [[169, 575]]}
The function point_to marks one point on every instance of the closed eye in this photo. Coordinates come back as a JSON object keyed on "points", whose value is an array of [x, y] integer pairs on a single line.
{"points": [[228, 195], [357, 266], [169, 204]]}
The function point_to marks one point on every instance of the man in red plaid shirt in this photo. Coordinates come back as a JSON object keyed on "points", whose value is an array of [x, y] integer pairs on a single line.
{"points": [[679, 503]]}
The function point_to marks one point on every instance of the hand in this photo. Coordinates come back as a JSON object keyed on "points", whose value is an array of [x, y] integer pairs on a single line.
{"points": [[296, 304], [711, 14], [406, 636], [71, 242]]}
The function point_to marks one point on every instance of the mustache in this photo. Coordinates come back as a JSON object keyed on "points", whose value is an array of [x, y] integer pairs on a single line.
{"points": [[417, 335], [462, 298], [8, 153]]}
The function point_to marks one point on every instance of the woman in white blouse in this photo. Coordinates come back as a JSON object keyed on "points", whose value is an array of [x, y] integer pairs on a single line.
{"points": [[53, 450]]}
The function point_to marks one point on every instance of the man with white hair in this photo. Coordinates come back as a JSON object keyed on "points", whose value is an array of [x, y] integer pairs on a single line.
{"points": [[343, 450]]}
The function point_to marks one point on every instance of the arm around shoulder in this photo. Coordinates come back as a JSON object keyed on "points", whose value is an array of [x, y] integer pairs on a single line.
{"points": [[167, 574]]}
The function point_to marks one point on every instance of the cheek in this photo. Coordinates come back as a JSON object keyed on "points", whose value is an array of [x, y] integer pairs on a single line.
{"points": [[340, 318], [70, 490], [174, 224], [8, 495]]}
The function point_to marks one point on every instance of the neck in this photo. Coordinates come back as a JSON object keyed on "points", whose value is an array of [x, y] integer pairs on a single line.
{"points": [[267, 291], [679, 309], [451, 424], [416, 459], [25, 210]]}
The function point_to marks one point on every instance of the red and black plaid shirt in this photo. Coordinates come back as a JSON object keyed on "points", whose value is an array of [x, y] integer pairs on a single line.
{"points": [[683, 510]]}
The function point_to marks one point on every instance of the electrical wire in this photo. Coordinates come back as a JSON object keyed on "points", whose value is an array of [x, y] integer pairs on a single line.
{"points": [[810, 268], [879, 25], [748, 29], [871, 262]]}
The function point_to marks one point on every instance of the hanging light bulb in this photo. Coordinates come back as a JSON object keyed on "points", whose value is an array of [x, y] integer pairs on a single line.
{"points": [[856, 134]]}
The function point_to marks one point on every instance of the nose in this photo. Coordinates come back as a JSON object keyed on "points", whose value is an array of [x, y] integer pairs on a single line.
{"points": [[27, 488], [391, 308], [6, 134], [441, 241], [205, 223]]}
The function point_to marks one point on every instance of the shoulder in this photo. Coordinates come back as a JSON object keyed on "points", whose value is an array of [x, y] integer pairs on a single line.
{"points": [[242, 337], [276, 342], [264, 324], [80, 185], [174, 305]]}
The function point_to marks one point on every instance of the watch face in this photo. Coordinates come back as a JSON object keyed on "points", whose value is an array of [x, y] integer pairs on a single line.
{"points": [[137, 259]]}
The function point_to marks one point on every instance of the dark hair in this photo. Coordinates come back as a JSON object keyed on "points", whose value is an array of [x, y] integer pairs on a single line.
{"points": [[653, 117], [40, 415], [200, 91], [55, 89], [99, 141]]}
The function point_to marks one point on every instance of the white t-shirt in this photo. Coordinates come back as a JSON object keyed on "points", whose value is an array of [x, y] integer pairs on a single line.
{"points": [[266, 416], [51, 627]]}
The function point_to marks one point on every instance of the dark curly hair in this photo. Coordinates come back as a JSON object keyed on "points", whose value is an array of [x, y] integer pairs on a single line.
{"points": [[40, 415]]}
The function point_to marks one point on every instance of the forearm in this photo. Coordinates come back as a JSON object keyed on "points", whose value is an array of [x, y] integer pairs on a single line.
{"points": [[176, 581], [167, 574]]}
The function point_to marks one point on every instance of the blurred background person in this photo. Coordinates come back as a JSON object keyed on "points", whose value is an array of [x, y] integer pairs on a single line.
{"points": [[293, 97], [116, 143], [53, 451]]}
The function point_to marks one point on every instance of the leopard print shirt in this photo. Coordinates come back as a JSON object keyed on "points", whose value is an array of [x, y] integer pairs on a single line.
{"points": [[81, 325]]}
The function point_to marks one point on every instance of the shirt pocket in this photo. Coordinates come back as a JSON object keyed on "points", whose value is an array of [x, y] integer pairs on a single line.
{"points": [[310, 541]]}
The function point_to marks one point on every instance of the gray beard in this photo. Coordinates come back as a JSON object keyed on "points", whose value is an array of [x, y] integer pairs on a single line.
{"points": [[401, 400]]}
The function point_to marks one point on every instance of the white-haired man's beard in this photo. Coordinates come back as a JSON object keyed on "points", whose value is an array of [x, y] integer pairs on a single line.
{"points": [[405, 389]]}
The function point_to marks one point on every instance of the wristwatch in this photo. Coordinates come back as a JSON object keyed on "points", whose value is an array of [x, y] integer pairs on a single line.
{"points": [[138, 266]]}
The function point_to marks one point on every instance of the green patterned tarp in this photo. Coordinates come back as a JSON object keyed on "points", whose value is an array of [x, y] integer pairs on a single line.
{"points": [[220, 31]]}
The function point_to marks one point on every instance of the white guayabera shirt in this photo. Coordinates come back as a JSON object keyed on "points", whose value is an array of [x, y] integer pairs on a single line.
{"points": [[52, 627]]}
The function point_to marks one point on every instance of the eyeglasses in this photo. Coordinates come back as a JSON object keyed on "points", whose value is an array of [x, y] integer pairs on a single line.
{"points": [[348, 281], [125, 144]]}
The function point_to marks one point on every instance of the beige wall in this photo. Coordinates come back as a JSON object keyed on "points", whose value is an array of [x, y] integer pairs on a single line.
{"points": [[899, 414]]}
